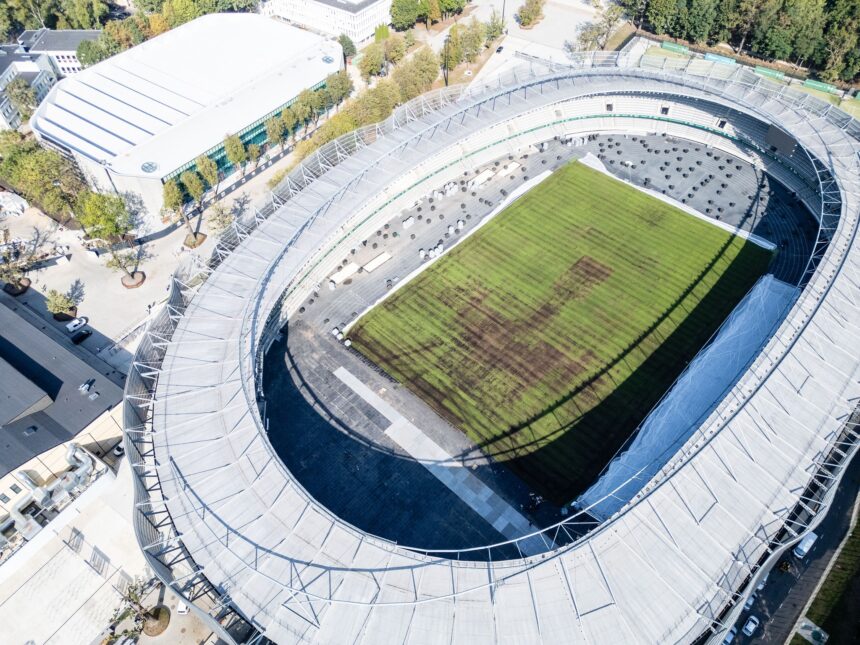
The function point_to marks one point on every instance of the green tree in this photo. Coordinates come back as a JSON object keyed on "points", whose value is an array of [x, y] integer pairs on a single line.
{"points": [[434, 11], [495, 27], [303, 108], [90, 52], [254, 154], [103, 217], [381, 33], [193, 185], [660, 14], [635, 10], [208, 169], [171, 195], [290, 121], [275, 132], [339, 86], [347, 45], [472, 39], [530, 12], [372, 60], [84, 14], [22, 97], [409, 38], [235, 150], [59, 303], [703, 15], [394, 49], [404, 13]]}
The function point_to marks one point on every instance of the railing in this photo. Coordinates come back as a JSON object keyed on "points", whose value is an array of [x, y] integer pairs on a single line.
{"points": [[255, 319]]}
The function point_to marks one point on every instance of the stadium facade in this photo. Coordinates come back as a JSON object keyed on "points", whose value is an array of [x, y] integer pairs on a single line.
{"points": [[142, 117], [223, 522]]}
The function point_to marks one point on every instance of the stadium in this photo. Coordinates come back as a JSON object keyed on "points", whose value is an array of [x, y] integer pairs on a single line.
{"points": [[321, 456]]}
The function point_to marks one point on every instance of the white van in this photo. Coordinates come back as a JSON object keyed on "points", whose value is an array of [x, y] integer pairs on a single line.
{"points": [[805, 545]]}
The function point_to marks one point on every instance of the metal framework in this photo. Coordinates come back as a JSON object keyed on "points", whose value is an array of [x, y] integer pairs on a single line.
{"points": [[220, 518]]}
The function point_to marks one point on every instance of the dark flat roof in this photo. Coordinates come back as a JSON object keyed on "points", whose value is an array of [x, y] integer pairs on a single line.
{"points": [[58, 372], [52, 40]]}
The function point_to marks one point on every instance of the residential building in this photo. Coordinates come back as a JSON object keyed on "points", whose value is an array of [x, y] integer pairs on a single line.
{"points": [[35, 69], [142, 117], [358, 19], [59, 45]]}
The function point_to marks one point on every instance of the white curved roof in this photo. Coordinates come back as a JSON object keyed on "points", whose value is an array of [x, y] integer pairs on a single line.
{"points": [[663, 569], [177, 95]]}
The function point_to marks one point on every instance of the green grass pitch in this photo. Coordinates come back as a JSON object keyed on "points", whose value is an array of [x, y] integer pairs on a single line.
{"points": [[550, 333]]}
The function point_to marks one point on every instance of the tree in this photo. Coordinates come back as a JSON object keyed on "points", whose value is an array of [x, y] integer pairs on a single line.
{"points": [[303, 108], [660, 14], [409, 38], [415, 75], [275, 132], [84, 14], [103, 217], [394, 49], [290, 121], [90, 52], [171, 195], [635, 10], [59, 303], [381, 33], [22, 96], [703, 15], [235, 150], [434, 12], [339, 86], [530, 12], [347, 45], [220, 218], [372, 59], [451, 53], [208, 169], [193, 185], [254, 154], [495, 27], [472, 39], [405, 13]]}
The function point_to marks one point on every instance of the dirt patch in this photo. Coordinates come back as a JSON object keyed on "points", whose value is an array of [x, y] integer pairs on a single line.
{"points": [[582, 276]]}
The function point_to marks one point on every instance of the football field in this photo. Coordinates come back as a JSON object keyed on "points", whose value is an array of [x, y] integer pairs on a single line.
{"points": [[549, 334]]}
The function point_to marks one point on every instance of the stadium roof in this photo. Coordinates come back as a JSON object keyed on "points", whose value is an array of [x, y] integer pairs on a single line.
{"points": [[171, 98], [57, 372], [665, 567]]}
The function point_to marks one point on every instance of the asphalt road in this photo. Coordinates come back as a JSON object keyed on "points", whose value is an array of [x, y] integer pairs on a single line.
{"points": [[779, 604]]}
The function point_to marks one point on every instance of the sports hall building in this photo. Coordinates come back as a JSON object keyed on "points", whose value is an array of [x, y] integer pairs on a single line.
{"points": [[141, 118]]}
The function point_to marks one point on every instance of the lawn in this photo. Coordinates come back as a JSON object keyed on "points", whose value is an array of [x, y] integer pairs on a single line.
{"points": [[549, 334]]}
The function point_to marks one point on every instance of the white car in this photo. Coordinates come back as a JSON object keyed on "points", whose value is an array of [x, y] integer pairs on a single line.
{"points": [[76, 324], [730, 637], [751, 625], [181, 608], [750, 602]]}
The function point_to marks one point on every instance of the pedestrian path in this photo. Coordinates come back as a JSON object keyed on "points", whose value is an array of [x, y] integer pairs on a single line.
{"points": [[474, 492]]}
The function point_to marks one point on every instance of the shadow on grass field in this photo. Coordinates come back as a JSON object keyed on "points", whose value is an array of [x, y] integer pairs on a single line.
{"points": [[562, 469]]}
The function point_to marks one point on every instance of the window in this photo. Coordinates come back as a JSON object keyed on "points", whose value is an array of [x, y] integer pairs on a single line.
{"points": [[664, 110], [4, 498], [721, 123], [15, 488], [609, 107]]}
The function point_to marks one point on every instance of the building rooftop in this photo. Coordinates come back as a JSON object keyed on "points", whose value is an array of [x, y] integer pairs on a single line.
{"points": [[352, 6], [56, 372], [11, 54], [19, 395], [52, 40], [162, 103]]}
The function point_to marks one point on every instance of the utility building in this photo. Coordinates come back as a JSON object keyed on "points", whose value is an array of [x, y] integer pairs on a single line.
{"points": [[142, 117]]}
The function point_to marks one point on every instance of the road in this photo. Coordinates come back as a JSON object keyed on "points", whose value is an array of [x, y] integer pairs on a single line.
{"points": [[779, 604]]}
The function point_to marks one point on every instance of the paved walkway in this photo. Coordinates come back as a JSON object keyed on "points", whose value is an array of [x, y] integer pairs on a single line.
{"points": [[477, 495]]}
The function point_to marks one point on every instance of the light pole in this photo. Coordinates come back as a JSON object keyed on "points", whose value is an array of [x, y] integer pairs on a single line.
{"points": [[445, 60]]}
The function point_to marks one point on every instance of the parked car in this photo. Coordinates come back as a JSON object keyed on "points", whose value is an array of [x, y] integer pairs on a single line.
{"points": [[762, 582], [74, 325], [499, 49], [750, 602], [81, 336], [751, 625], [806, 544], [730, 637], [118, 450]]}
